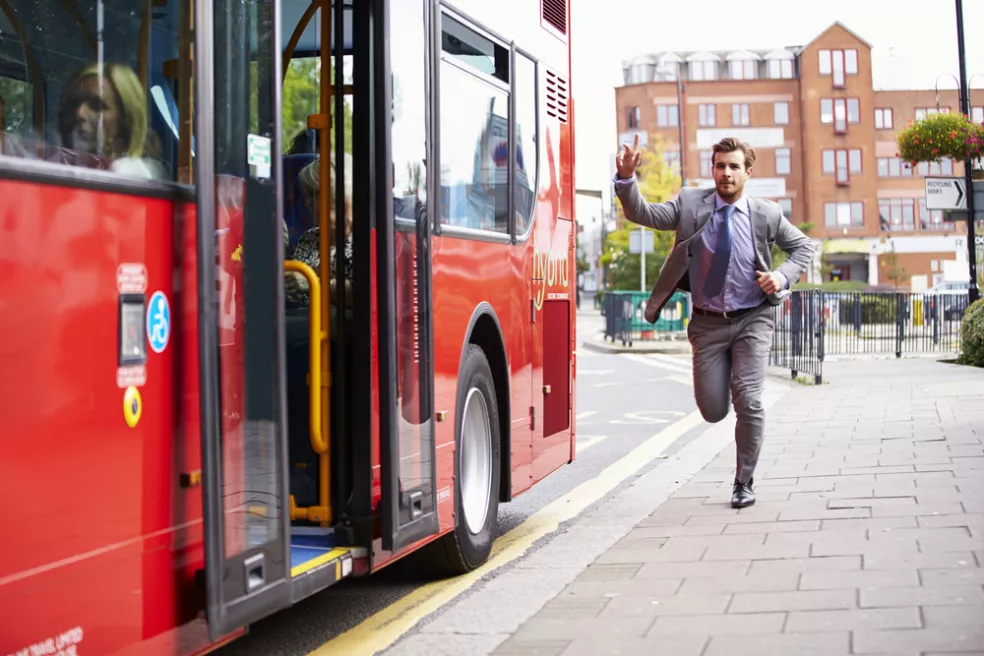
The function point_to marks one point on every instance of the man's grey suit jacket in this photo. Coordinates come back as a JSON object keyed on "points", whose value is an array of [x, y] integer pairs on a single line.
{"points": [[687, 214]]}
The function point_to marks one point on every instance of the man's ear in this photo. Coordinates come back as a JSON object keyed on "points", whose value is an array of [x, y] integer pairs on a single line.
{"points": [[748, 172]]}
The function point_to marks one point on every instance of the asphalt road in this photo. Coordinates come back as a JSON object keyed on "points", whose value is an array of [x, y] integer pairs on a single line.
{"points": [[621, 401]]}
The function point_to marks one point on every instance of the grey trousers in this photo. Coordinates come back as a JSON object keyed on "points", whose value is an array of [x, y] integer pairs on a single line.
{"points": [[731, 358]]}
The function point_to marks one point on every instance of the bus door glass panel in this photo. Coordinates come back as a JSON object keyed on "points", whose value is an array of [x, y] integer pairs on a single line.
{"points": [[413, 461], [246, 516]]}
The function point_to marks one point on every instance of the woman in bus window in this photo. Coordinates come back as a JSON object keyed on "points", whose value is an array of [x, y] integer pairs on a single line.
{"points": [[307, 248], [102, 121]]}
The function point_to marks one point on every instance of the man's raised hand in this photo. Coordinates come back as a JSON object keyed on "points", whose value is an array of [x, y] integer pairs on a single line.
{"points": [[627, 161]]}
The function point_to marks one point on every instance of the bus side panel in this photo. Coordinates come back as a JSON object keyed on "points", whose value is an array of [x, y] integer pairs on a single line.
{"points": [[100, 551]]}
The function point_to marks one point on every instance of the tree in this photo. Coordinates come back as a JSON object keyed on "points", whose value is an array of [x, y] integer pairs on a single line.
{"points": [[302, 96], [657, 183], [893, 271]]}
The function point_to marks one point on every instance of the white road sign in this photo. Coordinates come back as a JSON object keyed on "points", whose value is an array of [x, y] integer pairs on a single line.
{"points": [[946, 194]]}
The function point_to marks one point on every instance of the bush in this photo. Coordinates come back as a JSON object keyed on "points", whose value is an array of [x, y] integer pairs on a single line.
{"points": [[972, 335]]}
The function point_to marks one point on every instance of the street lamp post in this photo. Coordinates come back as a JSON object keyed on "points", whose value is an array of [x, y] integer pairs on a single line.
{"points": [[972, 291]]}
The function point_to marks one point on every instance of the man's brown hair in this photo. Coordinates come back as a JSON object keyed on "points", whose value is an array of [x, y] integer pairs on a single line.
{"points": [[730, 145]]}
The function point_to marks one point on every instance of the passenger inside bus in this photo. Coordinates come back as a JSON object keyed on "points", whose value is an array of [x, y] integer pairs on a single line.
{"points": [[307, 247], [102, 123]]}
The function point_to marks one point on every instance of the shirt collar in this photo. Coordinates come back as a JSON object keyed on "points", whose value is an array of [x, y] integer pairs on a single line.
{"points": [[741, 205]]}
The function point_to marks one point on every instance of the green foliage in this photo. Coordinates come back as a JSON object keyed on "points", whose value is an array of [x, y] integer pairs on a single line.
{"points": [[940, 135], [972, 335], [658, 183], [301, 97], [834, 286]]}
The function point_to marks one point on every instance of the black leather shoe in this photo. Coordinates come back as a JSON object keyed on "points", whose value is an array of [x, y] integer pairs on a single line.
{"points": [[743, 495]]}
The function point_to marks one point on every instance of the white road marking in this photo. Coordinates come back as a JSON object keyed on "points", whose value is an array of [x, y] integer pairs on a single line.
{"points": [[585, 442], [585, 414]]}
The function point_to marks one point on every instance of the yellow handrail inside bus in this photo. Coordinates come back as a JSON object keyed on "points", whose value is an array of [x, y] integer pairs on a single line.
{"points": [[317, 372]]}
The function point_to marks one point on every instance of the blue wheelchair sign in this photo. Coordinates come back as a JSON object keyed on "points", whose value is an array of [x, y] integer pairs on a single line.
{"points": [[158, 322]]}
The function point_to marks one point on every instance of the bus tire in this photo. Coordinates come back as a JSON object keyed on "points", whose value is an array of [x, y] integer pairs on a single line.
{"points": [[477, 464]]}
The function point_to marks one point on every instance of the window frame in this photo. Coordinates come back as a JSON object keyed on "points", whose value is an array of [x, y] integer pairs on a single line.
{"points": [[665, 111], [707, 115], [55, 174], [510, 236], [785, 154], [852, 205], [881, 113], [775, 112], [744, 111]]}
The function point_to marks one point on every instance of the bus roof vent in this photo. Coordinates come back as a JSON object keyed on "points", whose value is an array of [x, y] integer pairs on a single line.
{"points": [[555, 13], [556, 96]]}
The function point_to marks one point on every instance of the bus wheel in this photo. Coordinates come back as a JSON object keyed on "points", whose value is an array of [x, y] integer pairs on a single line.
{"points": [[476, 468]]}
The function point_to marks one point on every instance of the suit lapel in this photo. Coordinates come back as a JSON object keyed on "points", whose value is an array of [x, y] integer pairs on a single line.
{"points": [[705, 210], [760, 231]]}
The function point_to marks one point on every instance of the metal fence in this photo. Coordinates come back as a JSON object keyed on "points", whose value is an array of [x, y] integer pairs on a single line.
{"points": [[798, 341], [625, 320], [814, 324]]}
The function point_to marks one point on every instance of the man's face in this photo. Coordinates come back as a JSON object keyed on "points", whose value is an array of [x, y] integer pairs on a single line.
{"points": [[730, 174]]}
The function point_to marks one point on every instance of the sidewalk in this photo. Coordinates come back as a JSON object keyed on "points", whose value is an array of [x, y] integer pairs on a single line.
{"points": [[867, 538]]}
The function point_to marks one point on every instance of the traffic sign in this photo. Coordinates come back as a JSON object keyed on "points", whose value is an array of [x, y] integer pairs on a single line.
{"points": [[945, 194], [637, 242]]}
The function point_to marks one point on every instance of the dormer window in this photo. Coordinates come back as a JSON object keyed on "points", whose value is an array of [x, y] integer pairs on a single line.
{"points": [[703, 66], [780, 65], [743, 65]]}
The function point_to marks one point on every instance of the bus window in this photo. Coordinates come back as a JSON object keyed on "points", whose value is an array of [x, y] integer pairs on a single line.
{"points": [[97, 85], [474, 127], [526, 140]]}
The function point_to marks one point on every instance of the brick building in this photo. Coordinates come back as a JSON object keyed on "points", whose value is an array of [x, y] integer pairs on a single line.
{"points": [[825, 146]]}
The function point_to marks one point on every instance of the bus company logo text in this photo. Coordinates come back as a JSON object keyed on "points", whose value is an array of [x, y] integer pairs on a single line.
{"points": [[547, 272]]}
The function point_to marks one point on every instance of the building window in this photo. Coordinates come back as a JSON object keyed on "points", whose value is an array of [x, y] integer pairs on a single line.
{"points": [[893, 167], [843, 173], [633, 117], [853, 110], [744, 69], [838, 63], [667, 116], [780, 113], [705, 163], [840, 115], [829, 165], [884, 119], [897, 214], [977, 114], [932, 219], [923, 112], [706, 116], [826, 110], [780, 69], [703, 70], [739, 114], [786, 205], [672, 160], [782, 161], [843, 163], [844, 214], [943, 167]]}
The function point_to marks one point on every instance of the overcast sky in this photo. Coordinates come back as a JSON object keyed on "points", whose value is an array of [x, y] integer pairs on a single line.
{"points": [[913, 41]]}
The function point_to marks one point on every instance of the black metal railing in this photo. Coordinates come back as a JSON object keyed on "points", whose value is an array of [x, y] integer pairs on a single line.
{"points": [[885, 322], [798, 341]]}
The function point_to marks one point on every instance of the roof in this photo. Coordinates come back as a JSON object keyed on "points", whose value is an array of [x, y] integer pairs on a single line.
{"points": [[832, 26]]}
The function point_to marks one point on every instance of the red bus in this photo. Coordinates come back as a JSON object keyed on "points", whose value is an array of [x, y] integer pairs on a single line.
{"points": [[203, 421]]}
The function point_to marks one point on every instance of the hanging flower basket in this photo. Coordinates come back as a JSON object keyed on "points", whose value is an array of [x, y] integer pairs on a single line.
{"points": [[941, 135]]}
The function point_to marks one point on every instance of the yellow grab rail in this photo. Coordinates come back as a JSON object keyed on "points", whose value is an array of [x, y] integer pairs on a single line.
{"points": [[319, 442]]}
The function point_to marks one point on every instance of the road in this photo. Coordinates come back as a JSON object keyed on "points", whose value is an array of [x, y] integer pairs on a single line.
{"points": [[622, 400]]}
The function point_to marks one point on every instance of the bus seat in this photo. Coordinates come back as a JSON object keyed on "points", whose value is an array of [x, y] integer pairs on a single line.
{"points": [[298, 216]]}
